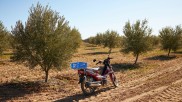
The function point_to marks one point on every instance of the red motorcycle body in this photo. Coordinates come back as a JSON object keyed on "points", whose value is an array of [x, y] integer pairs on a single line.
{"points": [[90, 79], [91, 73]]}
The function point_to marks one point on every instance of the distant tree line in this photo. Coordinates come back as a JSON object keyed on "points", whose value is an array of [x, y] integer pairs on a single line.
{"points": [[110, 39], [137, 39]]}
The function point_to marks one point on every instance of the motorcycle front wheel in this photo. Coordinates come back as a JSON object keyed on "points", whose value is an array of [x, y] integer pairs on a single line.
{"points": [[113, 79]]}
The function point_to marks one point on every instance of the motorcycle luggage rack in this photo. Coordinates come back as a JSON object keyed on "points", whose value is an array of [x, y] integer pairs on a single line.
{"points": [[79, 65]]}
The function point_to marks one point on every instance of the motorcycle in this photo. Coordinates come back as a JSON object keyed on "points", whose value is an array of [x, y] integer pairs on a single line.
{"points": [[90, 79]]}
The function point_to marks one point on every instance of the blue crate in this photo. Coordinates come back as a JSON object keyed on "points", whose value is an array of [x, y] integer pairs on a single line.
{"points": [[79, 65]]}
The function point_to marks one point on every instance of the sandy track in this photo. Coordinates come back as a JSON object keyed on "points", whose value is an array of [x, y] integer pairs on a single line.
{"points": [[172, 93], [163, 82], [164, 85]]}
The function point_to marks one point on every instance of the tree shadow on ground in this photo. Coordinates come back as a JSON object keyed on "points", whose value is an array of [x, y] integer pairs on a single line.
{"points": [[80, 96], [8, 53], [90, 45], [125, 66], [161, 57], [178, 52], [96, 53], [2, 62], [94, 48], [9, 91]]}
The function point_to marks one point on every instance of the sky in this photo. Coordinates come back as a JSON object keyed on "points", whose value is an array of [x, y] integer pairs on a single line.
{"points": [[93, 16]]}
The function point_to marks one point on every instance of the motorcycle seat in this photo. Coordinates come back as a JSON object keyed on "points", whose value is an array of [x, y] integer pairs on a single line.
{"points": [[95, 69]]}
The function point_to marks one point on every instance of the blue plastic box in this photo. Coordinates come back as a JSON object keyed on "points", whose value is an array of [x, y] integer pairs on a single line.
{"points": [[79, 65]]}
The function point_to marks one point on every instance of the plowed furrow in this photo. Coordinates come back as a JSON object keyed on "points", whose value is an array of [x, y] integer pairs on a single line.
{"points": [[173, 94], [145, 87]]}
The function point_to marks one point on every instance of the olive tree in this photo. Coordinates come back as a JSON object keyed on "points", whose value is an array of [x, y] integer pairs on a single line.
{"points": [[99, 39], [136, 38], [155, 41], [111, 40], [171, 38], [75, 39], [4, 35], [45, 40], [90, 40]]}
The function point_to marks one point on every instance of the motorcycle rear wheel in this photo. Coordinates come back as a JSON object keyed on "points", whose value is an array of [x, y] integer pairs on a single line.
{"points": [[85, 88]]}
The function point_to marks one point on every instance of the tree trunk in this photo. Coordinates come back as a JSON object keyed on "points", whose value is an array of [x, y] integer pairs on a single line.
{"points": [[46, 77], [169, 52], [110, 51], [136, 59]]}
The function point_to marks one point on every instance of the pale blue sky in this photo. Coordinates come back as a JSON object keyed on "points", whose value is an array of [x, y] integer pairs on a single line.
{"points": [[93, 16]]}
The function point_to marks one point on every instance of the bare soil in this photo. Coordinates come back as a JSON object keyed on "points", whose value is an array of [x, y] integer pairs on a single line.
{"points": [[155, 78]]}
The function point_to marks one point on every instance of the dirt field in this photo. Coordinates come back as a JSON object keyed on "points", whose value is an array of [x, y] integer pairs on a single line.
{"points": [[155, 78]]}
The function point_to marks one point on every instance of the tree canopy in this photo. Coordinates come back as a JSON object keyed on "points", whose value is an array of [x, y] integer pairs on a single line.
{"points": [[136, 38], [171, 38], [45, 39], [111, 40], [4, 36]]}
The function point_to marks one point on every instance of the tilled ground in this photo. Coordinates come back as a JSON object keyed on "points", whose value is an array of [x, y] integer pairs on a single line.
{"points": [[157, 78], [164, 85]]}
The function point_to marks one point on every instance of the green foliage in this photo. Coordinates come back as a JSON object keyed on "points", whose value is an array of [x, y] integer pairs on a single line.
{"points": [[155, 41], [90, 40], [74, 37], [171, 38], [136, 38], [4, 38], [111, 40], [99, 39], [45, 40]]}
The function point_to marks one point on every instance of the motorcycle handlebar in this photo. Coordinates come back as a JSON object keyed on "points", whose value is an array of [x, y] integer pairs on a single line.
{"points": [[109, 58], [99, 62]]}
